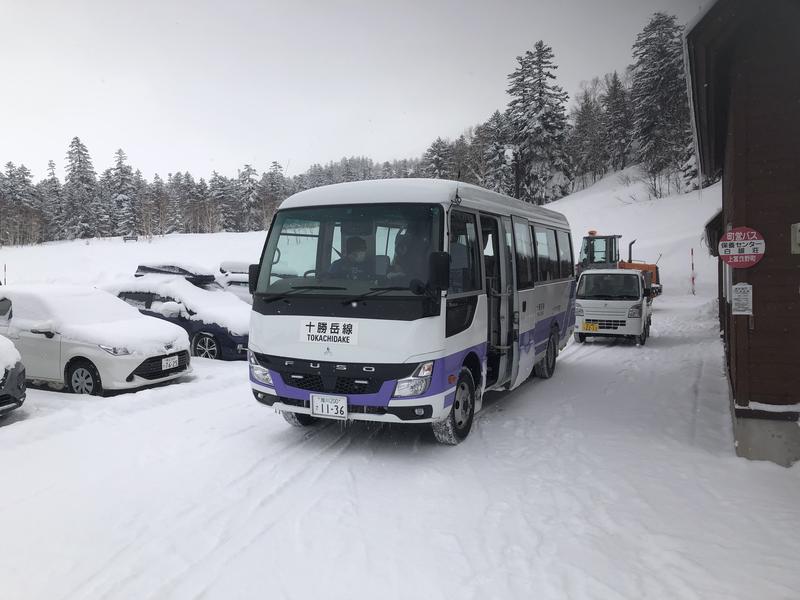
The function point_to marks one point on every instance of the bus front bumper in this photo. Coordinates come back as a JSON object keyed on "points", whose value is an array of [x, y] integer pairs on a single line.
{"points": [[423, 409]]}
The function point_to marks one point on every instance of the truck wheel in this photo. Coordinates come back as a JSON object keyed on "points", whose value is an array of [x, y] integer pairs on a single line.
{"points": [[456, 426], [580, 337], [547, 366], [640, 340], [298, 419]]}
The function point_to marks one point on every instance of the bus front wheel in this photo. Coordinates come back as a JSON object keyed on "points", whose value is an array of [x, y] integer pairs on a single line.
{"points": [[547, 366], [456, 426]]}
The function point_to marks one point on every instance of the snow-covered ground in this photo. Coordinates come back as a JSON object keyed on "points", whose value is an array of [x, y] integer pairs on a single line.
{"points": [[614, 479]]}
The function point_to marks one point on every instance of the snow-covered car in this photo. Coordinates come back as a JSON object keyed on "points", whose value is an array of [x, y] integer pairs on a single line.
{"points": [[234, 277], [217, 322], [194, 274], [12, 375], [88, 340], [613, 303]]}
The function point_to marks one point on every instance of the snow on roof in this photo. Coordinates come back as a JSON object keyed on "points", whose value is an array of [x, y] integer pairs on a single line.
{"points": [[220, 307], [8, 355], [412, 190], [91, 316]]}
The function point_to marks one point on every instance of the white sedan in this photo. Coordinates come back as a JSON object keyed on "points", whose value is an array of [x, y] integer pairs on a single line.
{"points": [[88, 340]]}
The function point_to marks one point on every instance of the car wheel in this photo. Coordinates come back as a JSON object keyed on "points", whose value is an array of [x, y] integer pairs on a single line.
{"points": [[547, 366], [580, 337], [298, 419], [83, 378], [456, 427], [205, 346]]}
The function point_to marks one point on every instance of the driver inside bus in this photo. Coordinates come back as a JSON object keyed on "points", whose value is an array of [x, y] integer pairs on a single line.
{"points": [[353, 264]]}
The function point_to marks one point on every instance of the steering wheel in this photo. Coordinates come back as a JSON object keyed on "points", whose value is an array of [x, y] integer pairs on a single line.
{"points": [[309, 273]]}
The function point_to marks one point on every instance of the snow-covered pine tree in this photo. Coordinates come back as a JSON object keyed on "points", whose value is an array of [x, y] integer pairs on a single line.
{"points": [[53, 213], [538, 125], [81, 201], [660, 102], [617, 124], [123, 196], [174, 207], [499, 174], [160, 205], [438, 160], [272, 190], [223, 202], [585, 139], [247, 197]]}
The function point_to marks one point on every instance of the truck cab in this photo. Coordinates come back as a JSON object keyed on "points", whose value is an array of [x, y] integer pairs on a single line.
{"points": [[613, 303]]}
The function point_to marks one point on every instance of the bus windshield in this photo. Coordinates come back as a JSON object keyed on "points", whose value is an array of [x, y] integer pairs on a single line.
{"points": [[609, 286], [351, 250]]}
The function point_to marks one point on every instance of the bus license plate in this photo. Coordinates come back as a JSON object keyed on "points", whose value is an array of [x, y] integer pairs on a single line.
{"points": [[590, 327], [330, 407], [169, 362]]}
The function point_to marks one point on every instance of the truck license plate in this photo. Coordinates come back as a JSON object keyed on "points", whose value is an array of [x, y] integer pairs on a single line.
{"points": [[330, 407], [590, 327], [170, 362]]}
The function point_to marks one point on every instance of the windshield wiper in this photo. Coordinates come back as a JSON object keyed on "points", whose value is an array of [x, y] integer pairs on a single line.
{"points": [[377, 291], [295, 289]]}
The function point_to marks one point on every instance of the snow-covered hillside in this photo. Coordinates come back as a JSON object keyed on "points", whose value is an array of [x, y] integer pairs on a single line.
{"points": [[615, 479]]}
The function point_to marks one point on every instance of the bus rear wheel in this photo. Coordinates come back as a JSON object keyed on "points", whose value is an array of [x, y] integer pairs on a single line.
{"points": [[547, 366], [455, 428]]}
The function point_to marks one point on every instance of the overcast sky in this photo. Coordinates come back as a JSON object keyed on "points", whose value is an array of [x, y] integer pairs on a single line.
{"points": [[202, 86]]}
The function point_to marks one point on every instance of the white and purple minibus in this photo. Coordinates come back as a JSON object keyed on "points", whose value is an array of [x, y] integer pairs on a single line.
{"points": [[405, 301]]}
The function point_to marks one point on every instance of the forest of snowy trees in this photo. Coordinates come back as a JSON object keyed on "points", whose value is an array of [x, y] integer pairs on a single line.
{"points": [[535, 149]]}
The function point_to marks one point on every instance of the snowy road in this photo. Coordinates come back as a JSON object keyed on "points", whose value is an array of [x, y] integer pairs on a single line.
{"points": [[614, 479]]}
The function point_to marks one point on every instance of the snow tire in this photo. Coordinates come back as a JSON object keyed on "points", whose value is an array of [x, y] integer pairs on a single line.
{"points": [[545, 368], [580, 337], [455, 428], [206, 346], [83, 378]]}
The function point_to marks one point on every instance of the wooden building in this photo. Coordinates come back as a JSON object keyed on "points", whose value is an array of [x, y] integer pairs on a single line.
{"points": [[744, 68]]}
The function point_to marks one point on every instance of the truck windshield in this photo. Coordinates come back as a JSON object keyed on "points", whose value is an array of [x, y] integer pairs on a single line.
{"points": [[350, 250], [609, 286]]}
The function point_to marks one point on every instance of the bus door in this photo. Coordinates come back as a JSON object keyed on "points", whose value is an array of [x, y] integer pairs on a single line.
{"points": [[499, 293]]}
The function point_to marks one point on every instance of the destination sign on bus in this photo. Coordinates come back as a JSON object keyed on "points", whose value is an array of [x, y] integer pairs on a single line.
{"points": [[329, 332]]}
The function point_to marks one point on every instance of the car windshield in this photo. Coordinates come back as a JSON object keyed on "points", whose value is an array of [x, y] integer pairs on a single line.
{"points": [[349, 250], [609, 286]]}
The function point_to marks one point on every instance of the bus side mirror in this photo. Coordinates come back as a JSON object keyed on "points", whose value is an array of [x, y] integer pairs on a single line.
{"points": [[252, 277], [439, 270]]}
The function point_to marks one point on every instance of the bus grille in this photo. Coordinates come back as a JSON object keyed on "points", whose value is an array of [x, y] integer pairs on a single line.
{"points": [[341, 385]]}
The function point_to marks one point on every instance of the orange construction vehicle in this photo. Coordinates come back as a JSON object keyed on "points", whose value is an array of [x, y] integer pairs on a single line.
{"points": [[602, 252]]}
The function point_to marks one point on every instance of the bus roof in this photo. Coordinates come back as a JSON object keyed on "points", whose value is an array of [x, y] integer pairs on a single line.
{"points": [[433, 191]]}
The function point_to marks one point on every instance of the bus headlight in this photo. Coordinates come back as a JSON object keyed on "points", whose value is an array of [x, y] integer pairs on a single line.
{"points": [[417, 384], [260, 374], [635, 311], [578, 309]]}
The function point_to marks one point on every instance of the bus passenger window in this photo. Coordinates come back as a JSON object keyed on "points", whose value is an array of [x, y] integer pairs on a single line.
{"points": [[526, 267], [565, 254], [464, 254], [546, 253]]}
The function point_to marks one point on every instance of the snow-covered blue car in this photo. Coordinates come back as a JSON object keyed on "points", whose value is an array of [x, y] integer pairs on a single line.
{"points": [[217, 322]]}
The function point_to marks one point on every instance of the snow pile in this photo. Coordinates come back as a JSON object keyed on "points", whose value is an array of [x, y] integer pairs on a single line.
{"points": [[8, 355], [220, 307], [90, 316], [670, 227]]}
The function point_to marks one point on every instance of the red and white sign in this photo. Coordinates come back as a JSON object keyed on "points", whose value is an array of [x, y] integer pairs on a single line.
{"points": [[742, 247]]}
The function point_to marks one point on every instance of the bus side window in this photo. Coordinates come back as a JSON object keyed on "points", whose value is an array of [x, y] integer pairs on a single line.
{"points": [[526, 267], [465, 274], [567, 266], [546, 253]]}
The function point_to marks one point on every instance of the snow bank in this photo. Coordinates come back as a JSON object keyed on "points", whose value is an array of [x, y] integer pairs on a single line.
{"points": [[8, 355], [92, 317], [668, 227], [220, 307]]}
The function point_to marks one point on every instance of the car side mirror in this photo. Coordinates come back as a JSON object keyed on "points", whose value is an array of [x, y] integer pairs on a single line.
{"points": [[439, 270], [648, 293], [253, 271], [170, 309]]}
